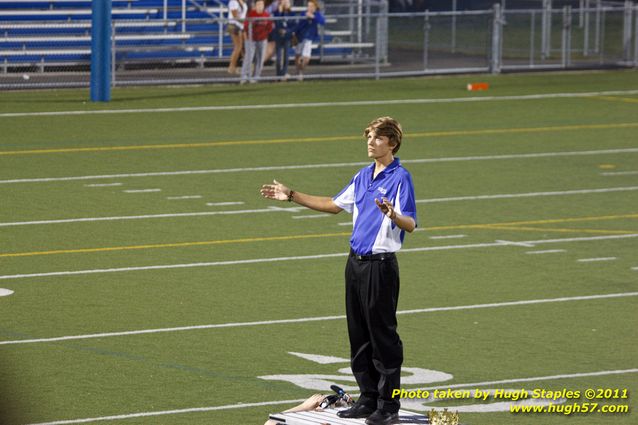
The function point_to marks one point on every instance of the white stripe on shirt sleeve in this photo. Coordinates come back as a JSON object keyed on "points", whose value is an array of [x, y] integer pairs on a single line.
{"points": [[345, 200]]}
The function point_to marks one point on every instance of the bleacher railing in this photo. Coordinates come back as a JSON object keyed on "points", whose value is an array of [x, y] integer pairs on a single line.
{"points": [[362, 44]]}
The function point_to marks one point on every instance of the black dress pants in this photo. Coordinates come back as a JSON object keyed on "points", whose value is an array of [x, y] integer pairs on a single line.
{"points": [[376, 351]]}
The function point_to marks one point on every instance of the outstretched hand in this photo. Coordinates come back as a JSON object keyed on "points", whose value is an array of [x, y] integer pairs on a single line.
{"points": [[386, 208], [276, 191]]}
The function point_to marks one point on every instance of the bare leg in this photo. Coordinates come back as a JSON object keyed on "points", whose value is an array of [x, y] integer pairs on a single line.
{"points": [[298, 63], [234, 57], [270, 51], [302, 62]]}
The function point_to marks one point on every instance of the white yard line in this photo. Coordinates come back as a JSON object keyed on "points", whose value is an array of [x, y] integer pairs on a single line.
{"points": [[173, 266], [520, 156], [103, 184], [279, 402], [547, 251], [326, 165], [172, 198], [448, 237], [298, 209], [384, 102], [143, 217], [521, 243], [223, 204], [530, 194], [349, 223], [619, 173], [310, 257], [588, 260], [141, 190], [172, 412], [317, 319], [311, 216]]}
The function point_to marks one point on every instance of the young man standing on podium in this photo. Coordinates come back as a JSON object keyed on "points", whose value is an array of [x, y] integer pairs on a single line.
{"points": [[381, 200]]}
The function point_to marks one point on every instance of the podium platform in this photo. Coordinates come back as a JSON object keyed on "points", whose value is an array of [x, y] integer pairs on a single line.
{"points": [[329, 417]]}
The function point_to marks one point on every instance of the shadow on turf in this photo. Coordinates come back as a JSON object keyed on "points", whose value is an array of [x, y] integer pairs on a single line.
{"points": [[12, 396]]}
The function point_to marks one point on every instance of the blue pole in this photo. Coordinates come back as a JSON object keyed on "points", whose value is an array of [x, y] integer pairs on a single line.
{"points": [[101, 51]]}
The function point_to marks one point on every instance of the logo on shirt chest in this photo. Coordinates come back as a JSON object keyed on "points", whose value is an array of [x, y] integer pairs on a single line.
{"points": [[382, 190]]}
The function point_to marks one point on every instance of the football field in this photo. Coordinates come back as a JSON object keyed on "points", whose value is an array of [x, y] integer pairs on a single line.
{"points": [[152, 284]]}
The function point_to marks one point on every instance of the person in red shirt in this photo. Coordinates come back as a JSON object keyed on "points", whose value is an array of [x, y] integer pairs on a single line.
{"points": [[256, 27]]}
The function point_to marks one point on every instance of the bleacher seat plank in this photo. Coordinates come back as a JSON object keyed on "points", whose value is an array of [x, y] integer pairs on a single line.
{"points": [[87, 24], [48, 52], [48, 2], [343, 45], [338, 33], [75, 12], [87, 38]]}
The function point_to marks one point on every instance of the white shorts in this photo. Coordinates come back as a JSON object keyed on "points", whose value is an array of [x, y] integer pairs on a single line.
{"points": [[304, 48]]}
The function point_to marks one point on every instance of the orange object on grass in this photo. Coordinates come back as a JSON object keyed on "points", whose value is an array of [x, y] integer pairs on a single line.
{"points": [[477, 86]]}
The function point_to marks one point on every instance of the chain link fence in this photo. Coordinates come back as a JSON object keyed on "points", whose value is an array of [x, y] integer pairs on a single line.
{"points": [[569, 38], [359, 40]]}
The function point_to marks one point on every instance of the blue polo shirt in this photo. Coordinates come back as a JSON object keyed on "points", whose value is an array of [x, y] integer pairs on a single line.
{"points": [[373, 232]]}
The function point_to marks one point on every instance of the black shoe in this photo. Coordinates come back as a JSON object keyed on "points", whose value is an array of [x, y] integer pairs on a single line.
{"points": [[381, 417], [356, 411]]}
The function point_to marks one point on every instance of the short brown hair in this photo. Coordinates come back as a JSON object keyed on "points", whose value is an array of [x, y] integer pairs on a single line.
{"points": [[389, 127], [316, 3]]}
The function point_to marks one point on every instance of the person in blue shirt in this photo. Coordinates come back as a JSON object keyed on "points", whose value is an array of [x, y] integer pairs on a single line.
{"points": [[307, 31], [282, 34], [381, 199]]}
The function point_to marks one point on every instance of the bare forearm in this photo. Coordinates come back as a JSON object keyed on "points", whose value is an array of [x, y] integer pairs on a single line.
{"points": [[318, 203], [404, 222], [280, 192]]}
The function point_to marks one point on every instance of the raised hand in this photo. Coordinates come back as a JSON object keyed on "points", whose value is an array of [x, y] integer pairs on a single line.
{"points": [[386, 208], [276, 191]]}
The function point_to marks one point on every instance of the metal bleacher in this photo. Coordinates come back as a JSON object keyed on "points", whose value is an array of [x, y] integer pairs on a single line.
{"points": [[44, 35], [57, 33]]}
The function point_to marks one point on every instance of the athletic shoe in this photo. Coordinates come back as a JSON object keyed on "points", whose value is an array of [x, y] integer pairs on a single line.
{"points": [[381, 417], [356, 411]]}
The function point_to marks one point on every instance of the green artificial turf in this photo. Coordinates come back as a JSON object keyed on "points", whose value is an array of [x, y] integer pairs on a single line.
{"points": [[475, 175]]}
